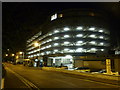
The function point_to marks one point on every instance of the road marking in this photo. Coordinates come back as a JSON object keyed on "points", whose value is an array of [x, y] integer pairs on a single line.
{"points": [[25, 81], [2, 83]]}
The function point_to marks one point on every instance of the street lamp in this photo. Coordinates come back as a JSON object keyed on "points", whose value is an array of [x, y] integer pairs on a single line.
{"points": [[22, 53], [13, 54], [6, 54], [36, 44]]}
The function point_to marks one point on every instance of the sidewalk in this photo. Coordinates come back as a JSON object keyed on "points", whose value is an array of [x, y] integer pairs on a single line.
{"points": [[102, 76]]}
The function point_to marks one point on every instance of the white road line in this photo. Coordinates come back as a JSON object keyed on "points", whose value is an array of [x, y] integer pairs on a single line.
{"points": [[25, 81]]}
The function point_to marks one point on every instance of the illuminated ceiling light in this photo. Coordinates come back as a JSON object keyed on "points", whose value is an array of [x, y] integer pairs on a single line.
{"points": [[79, 41], [71, 50], [56, 38], [55, 50], [66, 49], [101, 43], [92, 42], [79, 49], [91, 29], [93, 49], [55, 44], [50, 34], [79, 28], [79, 35], [68, 56], [66, 42], [100, 31], [42, 53], [66, 29], [66, 36], [102, 49], [93, 36], [101, 37], [56, 31]]}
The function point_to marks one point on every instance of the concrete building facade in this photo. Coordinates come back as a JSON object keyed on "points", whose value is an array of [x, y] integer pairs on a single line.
{"points": [[71, 33]]}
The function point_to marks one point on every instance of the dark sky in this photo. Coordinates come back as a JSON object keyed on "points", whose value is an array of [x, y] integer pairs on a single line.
{"points": [[21, 19]]}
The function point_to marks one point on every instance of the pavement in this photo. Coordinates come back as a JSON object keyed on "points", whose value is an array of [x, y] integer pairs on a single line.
{"points": [[102, 76]]}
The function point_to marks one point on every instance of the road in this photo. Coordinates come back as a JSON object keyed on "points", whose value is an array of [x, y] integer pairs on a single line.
{"points": [[19, 76]]}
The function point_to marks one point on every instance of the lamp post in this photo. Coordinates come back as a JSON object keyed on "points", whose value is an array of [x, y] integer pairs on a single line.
{"points": [[37, 45], [22, 53], [39, 61]]}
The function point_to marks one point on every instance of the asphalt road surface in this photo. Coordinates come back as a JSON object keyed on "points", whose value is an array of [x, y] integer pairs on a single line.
{"points": [[19, 76]]}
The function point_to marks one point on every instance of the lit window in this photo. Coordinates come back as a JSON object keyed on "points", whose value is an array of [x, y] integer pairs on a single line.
{"points": [[66, 29], [92, 36], [100, 31], [56, 38], [66, 36], [101, 37], [92, 29], [79, 35], [56, 44], [66, 42], [56, 31], [79, 28]]}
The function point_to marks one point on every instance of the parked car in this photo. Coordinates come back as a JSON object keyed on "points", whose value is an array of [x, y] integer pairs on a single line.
{"points": [[82, 69]]}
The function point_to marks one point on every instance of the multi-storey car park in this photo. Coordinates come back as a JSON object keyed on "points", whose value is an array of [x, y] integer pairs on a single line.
{"points": [[71, 33]]}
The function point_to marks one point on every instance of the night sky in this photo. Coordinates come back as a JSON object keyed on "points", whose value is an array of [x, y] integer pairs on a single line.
{"points": [[21, 20]]}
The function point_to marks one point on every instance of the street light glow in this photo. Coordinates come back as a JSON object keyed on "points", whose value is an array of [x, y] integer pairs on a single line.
{"points": [[20, 52], [13, 54], [36, 44]]}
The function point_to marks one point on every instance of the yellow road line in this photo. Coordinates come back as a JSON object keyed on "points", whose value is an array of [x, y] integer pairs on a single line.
{"points": [[25, 81]]}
